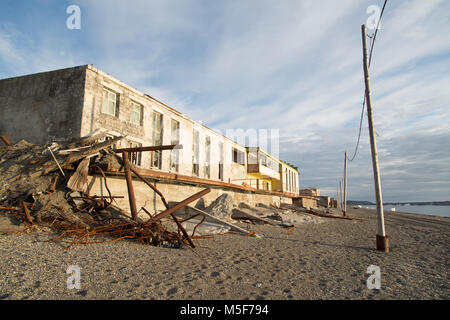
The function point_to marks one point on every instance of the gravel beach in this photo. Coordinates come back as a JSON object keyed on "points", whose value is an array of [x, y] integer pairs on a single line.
{"points": [[327, 260]]}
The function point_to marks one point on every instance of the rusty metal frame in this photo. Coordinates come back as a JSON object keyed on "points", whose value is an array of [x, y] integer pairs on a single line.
{"points": [[131, 196], [149, 148], [128, 169], [180, 227]]}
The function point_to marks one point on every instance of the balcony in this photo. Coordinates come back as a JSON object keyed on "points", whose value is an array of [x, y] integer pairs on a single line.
{"points": [[261, 164], [264, 171]]}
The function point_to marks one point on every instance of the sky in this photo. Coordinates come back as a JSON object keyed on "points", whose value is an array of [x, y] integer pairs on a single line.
{"points": [[292, 65]]}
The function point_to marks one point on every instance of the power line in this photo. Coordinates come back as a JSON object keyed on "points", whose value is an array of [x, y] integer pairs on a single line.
{"points": [[364, 100], [376, 31]]}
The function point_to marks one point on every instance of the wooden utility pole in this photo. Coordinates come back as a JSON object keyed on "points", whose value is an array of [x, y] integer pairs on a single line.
{"points": [[338, 199], [337, 196], [341, 198], [345, 184], [382, 238]]}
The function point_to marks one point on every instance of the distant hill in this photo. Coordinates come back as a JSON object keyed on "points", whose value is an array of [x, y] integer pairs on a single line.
{"points": [[423, 203], [429, 203]]}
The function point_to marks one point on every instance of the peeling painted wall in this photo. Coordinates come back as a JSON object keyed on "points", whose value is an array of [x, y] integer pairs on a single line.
{"points": [[42, 107], [93, 119]]}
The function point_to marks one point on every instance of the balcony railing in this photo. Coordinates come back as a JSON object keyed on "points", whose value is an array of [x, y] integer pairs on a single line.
{"points": [[263, 170]]}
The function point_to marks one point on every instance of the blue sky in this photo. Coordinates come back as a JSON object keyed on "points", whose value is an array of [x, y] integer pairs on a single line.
{"points": [[293, 65]]}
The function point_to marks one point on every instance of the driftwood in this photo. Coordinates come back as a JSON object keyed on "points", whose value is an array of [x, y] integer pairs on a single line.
{"points": [[78, 181], [54, 183], [27, 213], [87, 140], [241, 215], [5, 140], [56, 161], [311, 211]]}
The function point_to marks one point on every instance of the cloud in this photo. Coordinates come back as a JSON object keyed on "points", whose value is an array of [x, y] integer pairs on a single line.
{"points": [[295, 66]]}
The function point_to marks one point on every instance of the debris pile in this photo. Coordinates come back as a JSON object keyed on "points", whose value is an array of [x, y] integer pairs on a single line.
{"points": [[44, 186]]}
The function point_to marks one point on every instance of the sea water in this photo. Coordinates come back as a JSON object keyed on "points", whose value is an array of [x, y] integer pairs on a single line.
{"points": [[443, 211]]}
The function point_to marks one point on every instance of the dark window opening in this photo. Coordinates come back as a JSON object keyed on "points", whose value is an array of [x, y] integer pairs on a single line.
{"points": [[238, 156]]}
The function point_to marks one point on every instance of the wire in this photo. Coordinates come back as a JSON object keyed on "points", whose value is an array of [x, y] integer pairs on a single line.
{"points": [[376, 31], [359, 134], [372, 38]]}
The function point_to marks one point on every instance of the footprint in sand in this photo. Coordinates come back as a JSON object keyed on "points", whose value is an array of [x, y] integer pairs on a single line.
{"points": [[215, 274], [172, 291]]}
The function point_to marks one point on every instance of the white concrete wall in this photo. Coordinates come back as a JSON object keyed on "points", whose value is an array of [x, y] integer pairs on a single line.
{"points": [[145, 197]]}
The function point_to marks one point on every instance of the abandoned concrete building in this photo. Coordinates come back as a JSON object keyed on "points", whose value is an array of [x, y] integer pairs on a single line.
{"points": [[75, 102]]}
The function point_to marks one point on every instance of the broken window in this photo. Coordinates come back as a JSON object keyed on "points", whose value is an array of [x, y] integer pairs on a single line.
{"points": [[135, 157], [175, 140], [207, 157], [238, 156], [252, 157], [110, 102], [195, 152], [157, 137], [136, 113], [267, 162]]}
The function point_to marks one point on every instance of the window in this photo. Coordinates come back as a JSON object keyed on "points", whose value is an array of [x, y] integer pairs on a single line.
{"points": [[238, 156], [291, 180], [221, 159], [295, 183], [252, 157], [286, 182], [195, 152], [175, 139], [136, 113], [135, 157], [267, 162], [106, 138], [157, 137], [109, 105], [207, 157]]}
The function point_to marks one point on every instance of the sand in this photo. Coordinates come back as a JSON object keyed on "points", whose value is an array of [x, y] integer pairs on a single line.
{"points": [[325, 260]]}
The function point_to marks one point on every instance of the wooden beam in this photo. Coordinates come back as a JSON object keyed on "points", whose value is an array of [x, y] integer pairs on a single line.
{"points": [[50, 166], [181, 204]]}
